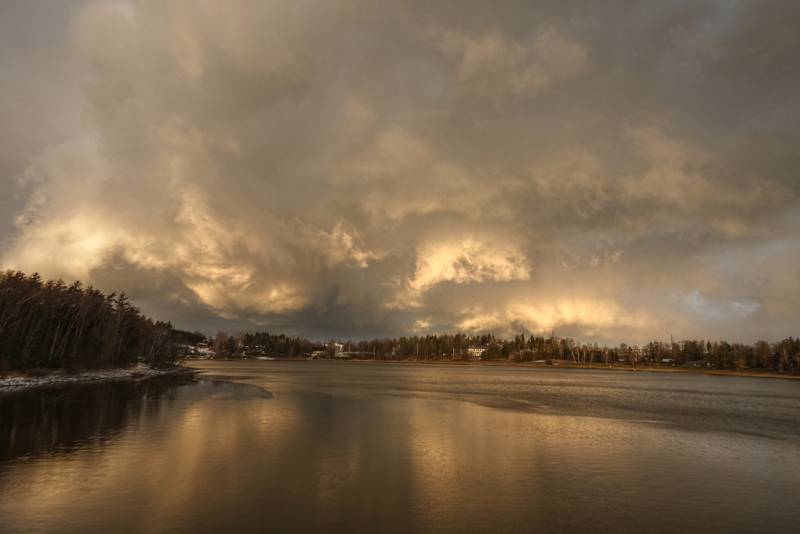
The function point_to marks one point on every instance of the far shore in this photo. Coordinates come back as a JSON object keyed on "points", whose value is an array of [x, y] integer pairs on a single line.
{"points": [[19, 381], [557, 364]]}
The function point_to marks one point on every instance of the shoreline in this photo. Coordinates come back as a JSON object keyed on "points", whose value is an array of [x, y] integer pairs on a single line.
{"points": [[16, 382], [602, 367], [535, 365], [564, 364]]}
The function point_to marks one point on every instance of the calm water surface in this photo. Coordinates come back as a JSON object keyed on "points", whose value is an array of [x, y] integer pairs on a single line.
{"points": [[348, 446]]}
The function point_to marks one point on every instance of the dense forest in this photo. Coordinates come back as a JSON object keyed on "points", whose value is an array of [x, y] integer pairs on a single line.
{"points": [[52, 325], [783, 356]]}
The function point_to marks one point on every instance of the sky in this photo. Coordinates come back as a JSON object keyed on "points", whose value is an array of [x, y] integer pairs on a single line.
{"points": [[610, 171]]}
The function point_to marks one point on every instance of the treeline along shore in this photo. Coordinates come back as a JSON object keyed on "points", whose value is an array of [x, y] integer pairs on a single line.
{"points": [[49, 325], [780, 357]]}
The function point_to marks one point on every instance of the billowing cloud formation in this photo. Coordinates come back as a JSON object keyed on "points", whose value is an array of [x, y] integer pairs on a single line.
{"points": [[493, 64], [461, 261], [356, 168]]}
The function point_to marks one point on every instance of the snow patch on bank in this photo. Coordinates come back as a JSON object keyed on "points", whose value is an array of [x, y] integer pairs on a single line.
{"points": [[19, 382]]}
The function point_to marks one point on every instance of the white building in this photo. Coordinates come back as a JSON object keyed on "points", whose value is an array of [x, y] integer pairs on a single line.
{"points": [[475, 353]]}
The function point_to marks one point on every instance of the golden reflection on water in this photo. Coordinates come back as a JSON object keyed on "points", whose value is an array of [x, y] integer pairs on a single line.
{"points": [[463, 452], [332, 459]]}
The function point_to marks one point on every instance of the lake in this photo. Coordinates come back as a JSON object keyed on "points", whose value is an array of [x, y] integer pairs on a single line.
{"points": [[397, 447]]}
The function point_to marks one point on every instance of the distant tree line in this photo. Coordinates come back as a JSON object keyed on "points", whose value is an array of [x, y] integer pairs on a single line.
{"points": [[261, 344], [182, 337], [53, 325], [49, 324], [783, 356]]}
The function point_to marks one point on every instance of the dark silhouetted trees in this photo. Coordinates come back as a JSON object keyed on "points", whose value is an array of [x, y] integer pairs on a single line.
{"points": [[57, 326], [783, 356], [260, 344]]}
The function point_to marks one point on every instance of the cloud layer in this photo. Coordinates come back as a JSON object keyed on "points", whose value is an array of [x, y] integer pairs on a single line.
{"points": [[376, 168]]}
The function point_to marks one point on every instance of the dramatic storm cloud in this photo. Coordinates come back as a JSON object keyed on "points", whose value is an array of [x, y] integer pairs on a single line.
{"points": [[610, 171]]}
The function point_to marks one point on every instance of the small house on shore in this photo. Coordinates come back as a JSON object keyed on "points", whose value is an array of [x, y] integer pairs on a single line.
{"points": [[476, 353]]}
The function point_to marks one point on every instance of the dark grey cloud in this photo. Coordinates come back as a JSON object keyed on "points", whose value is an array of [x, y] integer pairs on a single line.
{"points": [[612, 171]]}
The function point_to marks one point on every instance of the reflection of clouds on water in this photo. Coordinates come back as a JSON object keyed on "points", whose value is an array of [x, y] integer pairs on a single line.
{"points": [[308, 447], [224, 390], [161, 450]]}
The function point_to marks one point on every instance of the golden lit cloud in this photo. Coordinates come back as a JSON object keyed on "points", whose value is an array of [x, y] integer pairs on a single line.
{"points": [[462, 261], [353, 168], [592, 316]]}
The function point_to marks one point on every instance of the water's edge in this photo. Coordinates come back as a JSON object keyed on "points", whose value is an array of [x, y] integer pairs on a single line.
{"points": [[23, 382]]}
